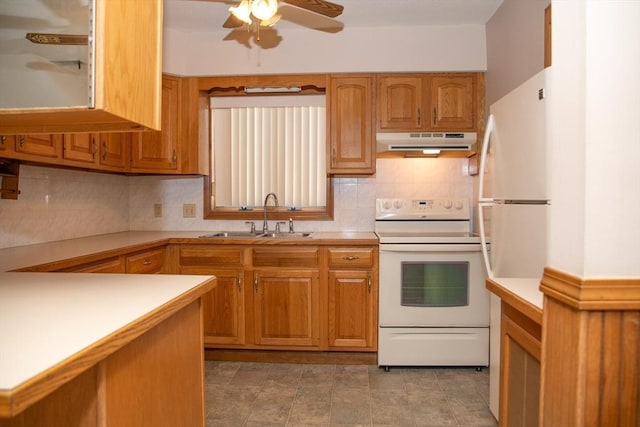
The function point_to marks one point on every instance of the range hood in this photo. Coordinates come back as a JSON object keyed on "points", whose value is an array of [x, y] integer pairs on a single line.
{"points": [[417, 141]]}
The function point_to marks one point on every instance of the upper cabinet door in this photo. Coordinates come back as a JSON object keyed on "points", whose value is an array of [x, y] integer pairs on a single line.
{"points": [[351, 130], [400, 103], [108, 80], [452, 102], [39, 147], [157, 151]]}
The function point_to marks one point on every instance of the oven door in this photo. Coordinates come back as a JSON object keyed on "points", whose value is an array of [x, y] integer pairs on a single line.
{"points": [[432, 285]]}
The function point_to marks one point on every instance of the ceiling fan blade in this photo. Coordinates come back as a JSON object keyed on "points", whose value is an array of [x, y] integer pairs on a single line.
{"points": [[319, 6], [232, 22]]}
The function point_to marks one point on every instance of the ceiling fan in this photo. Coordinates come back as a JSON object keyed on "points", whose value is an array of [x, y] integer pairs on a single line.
{"points": [[264, 13]]}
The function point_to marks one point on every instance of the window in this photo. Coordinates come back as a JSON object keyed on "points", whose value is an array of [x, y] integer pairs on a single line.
{"points": [[269, 144]]}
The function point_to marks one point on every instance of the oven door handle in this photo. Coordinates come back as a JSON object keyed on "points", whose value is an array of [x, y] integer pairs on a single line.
{"points": [[433, 247]]}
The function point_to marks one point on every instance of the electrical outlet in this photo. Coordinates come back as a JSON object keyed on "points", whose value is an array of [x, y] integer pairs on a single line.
{"points": [[189, 210], [157, 210]]}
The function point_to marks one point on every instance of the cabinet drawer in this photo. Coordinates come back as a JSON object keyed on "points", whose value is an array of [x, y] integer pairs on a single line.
{"points": [[109, 265], [290, 257], [145, 262], [211, 256], [351, 257]]}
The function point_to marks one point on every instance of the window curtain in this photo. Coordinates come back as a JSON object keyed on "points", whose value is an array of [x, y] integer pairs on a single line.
{"points": [[279, 149]]}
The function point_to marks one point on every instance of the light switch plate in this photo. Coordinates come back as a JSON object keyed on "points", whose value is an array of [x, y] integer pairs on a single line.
{"points": [[157, 210]]}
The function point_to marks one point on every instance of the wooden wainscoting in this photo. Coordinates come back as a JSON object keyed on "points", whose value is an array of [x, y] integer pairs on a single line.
{"points": [[590, 351]]}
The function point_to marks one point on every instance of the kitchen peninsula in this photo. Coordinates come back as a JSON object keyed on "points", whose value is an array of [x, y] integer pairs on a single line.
{"points": [[107, 350]]}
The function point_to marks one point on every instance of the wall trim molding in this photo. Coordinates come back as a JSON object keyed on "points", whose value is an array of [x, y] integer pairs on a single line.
{"points": [[599, 294]]}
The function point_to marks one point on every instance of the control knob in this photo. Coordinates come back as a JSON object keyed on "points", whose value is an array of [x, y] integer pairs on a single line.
{"points": [[447, 204]]}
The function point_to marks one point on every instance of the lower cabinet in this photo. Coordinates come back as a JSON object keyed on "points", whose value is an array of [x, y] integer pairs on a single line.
{"points": [[520, 369], [352, 299], [286, 308], [352, 315], [287, 297], [147, 261]]}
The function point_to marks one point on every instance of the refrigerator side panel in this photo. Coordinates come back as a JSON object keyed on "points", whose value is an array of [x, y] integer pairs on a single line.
{"points": [[519, 240], [518, 143]]}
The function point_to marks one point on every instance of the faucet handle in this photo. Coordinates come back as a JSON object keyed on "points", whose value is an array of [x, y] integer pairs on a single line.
{"points": [[291, 225], [253, 225], [278, 225]]}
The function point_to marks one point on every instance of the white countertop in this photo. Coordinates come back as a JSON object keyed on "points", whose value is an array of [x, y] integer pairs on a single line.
{"points": [[45, 318], [42, 253], [527, 289]]}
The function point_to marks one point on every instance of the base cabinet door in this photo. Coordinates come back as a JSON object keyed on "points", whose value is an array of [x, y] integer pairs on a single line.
{"points": [[351, 309], [223, 309], [286, 309], [520, 369]]}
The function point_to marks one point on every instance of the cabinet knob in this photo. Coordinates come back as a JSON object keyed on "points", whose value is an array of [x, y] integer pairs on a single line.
{"points": [[369, 284], [21, 140], [239, 282], [435, 115], [419, 118], [255, 283]]}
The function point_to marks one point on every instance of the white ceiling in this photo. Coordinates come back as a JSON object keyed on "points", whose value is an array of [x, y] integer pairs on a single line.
{"points": [[209, 15]]}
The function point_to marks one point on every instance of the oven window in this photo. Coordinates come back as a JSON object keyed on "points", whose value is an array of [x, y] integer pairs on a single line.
{"points": [[435, 284]]}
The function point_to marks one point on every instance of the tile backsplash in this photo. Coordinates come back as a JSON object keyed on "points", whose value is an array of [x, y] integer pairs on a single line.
{"points": [[57, 204]]}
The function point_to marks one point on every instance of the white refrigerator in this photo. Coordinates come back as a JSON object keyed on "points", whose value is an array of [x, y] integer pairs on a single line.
{"points": [[514, 198]]}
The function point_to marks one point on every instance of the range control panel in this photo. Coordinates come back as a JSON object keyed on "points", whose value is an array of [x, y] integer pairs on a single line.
{"points": [[449, 208]]}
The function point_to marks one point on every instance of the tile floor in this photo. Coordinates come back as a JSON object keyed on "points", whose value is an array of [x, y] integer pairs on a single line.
{"points": [[265, 394]]}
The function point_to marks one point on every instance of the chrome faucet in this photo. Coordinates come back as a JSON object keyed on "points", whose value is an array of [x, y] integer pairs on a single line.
{"points": [[265, 224]]}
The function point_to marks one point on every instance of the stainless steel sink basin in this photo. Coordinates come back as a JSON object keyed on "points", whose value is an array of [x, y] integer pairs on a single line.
{"points": [[285, 235], [257, 235], [233, 234]]}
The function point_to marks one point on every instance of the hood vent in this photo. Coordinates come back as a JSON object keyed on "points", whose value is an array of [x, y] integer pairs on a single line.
{"points": [[417, 141]]}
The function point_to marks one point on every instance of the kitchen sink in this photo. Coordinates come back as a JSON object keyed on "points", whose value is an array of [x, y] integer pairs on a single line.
{"points": [[285, 235], [256, 235], [233, 234]]}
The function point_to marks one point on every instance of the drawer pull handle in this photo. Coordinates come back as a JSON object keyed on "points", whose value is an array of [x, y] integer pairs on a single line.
{"points": [[350, 258], [146, 262]]}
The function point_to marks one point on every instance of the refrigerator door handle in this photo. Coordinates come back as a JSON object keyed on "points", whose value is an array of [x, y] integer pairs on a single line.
{"points": [[483, 237], [483, 157]]}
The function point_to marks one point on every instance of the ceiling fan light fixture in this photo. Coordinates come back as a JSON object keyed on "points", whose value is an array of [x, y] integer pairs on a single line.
{"points": [[264, 10], [242, 12], [271, 21]]}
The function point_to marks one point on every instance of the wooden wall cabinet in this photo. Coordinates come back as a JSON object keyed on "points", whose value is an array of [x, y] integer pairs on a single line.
{"points": [[158, 150], [428, 102], [353, 298], [128, 67], [39, 148], [101, 151], [181, 147], [351, 142]]}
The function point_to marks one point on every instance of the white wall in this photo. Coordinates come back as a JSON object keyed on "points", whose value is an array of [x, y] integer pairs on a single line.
{"points": [[595, 138], [434, 48]]}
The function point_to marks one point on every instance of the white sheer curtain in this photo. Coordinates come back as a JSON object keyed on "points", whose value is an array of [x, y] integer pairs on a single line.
{"points": [[277, 148]]}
